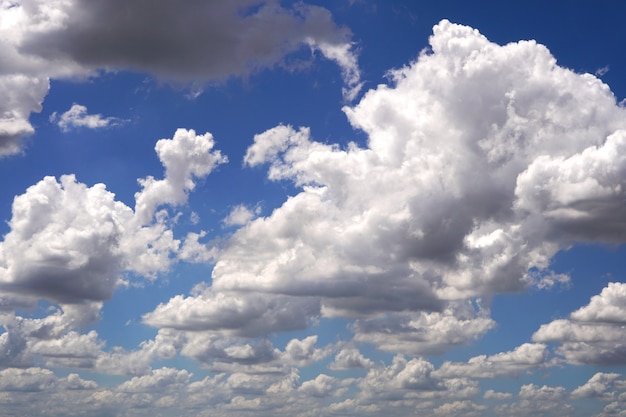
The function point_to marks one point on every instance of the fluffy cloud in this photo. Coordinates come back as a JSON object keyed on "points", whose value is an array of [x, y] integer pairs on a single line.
{"points": [[38, 379], [350, 358], [185, 157], [536, 400], [240, 215], [597, 387], [405, 385], [158, 380], [236, 313], [69, 242], [20, 96], [424, 333], [592, 334], [523, 358], [405, 235], [196, 41], [77, 116]]}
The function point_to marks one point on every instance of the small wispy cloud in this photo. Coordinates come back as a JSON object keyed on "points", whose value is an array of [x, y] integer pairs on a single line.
{"points": [[77, 116], [601, 71]]}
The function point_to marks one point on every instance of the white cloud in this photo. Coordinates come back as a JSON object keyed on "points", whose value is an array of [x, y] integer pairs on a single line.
{"points": [[64, 242], [536, 400], [460, 408], [20, 95], [592, 334], [424, 333], [491, 394], [597, 387], [344, 56], [38, 379], [70, 243], [407, 225], [77, 117], [524, 358], [240, 215], [185, 157], [25, 78], [608, 307], [237, 313], [322, 386], [159, 380], [42, 40], [350, 358], [407, 384], [71, 350]]}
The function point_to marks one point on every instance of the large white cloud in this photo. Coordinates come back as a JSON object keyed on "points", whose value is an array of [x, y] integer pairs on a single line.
{"points": [[465, 189], [72, 245]]}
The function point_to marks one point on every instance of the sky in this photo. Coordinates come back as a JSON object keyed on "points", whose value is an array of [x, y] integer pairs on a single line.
{"points": [[312, 208]]}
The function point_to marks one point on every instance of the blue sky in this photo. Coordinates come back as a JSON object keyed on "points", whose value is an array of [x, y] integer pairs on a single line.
{"points": [[344, 208]]}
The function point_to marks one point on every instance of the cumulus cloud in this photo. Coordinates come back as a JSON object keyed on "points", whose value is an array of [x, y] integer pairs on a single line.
{"points": [[592, 334], [242, 314], [185, 157], [403, 236], [494, 395], [77, 116], [598, 386], [407, 224], [38, 379], [20, 96], [350, 358], [424, 333], [58, 39], [69, 242], [241, 215], [538, 400], [64, 242], [526, 357], [158, 380], [409, 384]]}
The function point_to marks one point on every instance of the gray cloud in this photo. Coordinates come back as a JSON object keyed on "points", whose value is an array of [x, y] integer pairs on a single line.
{"points": [[69, 242], [191, 40]]}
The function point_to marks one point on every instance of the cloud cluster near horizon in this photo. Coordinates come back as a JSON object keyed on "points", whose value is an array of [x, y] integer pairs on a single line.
{"points": [[482, 162]]}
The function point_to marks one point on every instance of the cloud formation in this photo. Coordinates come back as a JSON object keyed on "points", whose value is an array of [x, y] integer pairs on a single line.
{"points": [[77, 116], [69, 244], [592, 334], [482, 162], [406, 235]]}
